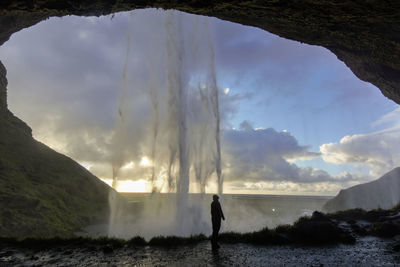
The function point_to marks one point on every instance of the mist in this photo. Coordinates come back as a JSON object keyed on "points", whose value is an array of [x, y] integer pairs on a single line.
{"points": [[168, 112]]}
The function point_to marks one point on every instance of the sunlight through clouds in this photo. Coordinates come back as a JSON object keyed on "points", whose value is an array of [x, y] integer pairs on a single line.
{"points": [[286, 107]]}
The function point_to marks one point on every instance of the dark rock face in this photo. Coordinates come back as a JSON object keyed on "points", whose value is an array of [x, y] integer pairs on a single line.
{"points": [[363, 34], [320, 229], [381, 193], [3, 89], [44, 193]]}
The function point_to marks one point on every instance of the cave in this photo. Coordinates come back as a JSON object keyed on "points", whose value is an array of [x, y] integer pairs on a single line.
{"points": [[364, 35]]}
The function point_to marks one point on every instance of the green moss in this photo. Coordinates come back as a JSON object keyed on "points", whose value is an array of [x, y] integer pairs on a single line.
{"points": [[137, 241], [262, 237], [360, 214], [346, 215], [314, 231], [283, 229], [385, 229]]}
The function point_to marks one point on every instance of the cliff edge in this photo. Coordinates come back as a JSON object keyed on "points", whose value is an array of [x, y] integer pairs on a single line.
{"points": [[382, 193]]}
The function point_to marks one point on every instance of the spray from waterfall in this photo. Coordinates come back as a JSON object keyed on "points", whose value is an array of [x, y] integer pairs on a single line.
{"points": [[216, 112], [155, 127], [177, 108], [120, 131], [177, 90], [116, 211]]}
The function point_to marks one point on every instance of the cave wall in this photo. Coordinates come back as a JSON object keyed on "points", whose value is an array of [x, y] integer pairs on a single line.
{"points": [[3, 89], [364, 34]]}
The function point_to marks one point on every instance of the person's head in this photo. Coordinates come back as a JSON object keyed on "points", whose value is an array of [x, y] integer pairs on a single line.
{"points": [[215, 197]]}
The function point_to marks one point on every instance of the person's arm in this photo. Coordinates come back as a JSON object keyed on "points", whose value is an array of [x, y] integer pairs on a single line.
{"points": [[222, 214]]}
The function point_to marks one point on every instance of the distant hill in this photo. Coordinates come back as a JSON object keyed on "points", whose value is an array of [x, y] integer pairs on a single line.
{"points": [[382, 193], [43, 193]]}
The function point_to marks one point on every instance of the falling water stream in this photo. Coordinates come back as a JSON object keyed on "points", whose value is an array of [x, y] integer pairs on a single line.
{"points": [[183, 133]]}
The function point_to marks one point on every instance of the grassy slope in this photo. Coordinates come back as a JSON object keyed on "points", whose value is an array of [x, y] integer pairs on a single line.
{"points": [[43, 193]]}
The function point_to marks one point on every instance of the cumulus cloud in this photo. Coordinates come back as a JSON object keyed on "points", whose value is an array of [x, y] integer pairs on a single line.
{"points": [[262, 155], [378, 150], [288, 187]]}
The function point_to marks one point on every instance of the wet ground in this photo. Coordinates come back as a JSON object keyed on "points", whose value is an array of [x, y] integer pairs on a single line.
{"points": [[367, 251]]}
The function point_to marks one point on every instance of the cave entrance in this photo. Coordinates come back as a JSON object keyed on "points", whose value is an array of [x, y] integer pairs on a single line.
{"points": [[296, 121]]}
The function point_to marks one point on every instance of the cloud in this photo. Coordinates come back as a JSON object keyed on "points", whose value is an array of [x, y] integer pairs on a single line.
{"points": [[243, 48], [379, 151], [72, 76], [391, 119], [262, 155], [287, 187]]}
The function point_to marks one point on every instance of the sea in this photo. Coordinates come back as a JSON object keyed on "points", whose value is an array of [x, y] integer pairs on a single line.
{"points": [[150, 215], [155, 214]]}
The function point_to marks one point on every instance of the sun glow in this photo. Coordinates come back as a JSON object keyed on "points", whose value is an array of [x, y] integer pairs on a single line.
{"points": [[139, 186], [130, 186], [129, 165], [145, 162]]}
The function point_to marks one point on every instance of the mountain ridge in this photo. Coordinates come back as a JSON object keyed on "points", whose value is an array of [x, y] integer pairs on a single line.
{"points": [[383, 192], [42, 192]]}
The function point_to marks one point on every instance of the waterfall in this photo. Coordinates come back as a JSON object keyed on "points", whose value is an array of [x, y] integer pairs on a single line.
{"points": [[177, 85]]}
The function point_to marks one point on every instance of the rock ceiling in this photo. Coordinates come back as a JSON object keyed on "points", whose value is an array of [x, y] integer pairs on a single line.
{"points": [[365, 35]]}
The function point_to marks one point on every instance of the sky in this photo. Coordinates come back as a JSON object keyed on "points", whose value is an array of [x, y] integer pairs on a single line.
{"points": [[295, 119]]}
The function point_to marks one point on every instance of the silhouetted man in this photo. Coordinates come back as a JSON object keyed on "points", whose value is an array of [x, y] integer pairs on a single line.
{"points": [[216, 215]]}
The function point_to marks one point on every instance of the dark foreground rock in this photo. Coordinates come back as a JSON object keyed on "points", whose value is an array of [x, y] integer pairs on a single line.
{"points": [[379, 222], [319, 229], [368, 251], [315, 230]]}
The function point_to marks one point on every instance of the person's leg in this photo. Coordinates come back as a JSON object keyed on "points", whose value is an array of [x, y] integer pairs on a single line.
{"points": [[216, 230], [214, 237], [218, 226]]}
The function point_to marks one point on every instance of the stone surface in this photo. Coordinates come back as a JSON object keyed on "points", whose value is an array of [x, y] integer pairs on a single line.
{"points": [[3, 89], [366, 252], [363, 34]]}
